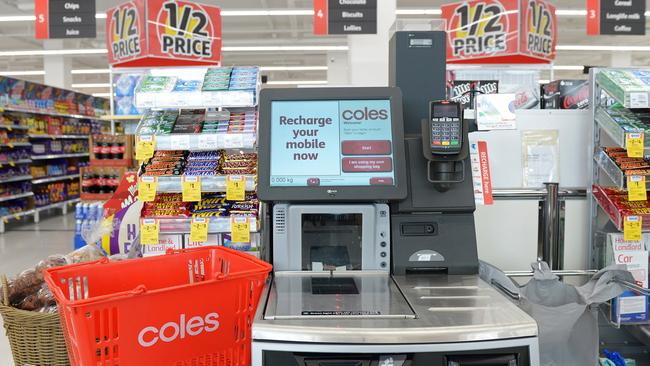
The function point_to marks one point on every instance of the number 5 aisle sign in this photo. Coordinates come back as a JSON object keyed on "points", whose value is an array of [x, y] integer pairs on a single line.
{"points": [[500, 31], [144, 33]]}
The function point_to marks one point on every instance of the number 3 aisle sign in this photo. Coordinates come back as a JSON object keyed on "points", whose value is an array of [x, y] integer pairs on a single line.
{"points": [[178, 32], [500, 31]]}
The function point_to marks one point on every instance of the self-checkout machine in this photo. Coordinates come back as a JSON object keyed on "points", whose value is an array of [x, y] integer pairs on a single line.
{"points": [[373, 241]]}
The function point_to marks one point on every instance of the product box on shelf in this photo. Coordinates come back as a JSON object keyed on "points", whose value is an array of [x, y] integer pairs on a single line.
{"points": [[630, 87], [111, 150], [566, 94]]}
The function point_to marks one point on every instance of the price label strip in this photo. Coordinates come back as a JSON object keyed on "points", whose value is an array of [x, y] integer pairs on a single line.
{"points": [[145, 147], [191, 188], [636, 189], [240, 228], [235, 187], [634, 142], [632, 228], [149, 231], [147, 187], [199, 229]]}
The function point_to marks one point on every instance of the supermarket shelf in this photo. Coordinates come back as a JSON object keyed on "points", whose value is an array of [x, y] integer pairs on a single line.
{"points": [[198, 100], [606, 120], [16, 144], [55, 178], [10, 128], [614, 215], [19, 178], [111, 162], [215, 183], [96, 196], [54, 137], [45, 112], [36, 212], [133, 117], [15, 162], [57, 204], [216, 225], [16, 196], [206, 142], [637, 98], [611, 169], [59, 156]]}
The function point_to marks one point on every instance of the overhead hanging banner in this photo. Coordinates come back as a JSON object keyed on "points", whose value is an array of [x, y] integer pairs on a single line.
{"points": [[65, 19], [500, 31], [177, 33], [345, 17], [620, 17]]}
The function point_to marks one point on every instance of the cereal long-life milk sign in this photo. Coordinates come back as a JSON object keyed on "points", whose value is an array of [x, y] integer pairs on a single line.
{"points": [[500, 31], [144, 33]]}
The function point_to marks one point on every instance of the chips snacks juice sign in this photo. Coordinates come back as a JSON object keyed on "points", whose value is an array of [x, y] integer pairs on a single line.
{"points": [[146, 33], [500, 31]]}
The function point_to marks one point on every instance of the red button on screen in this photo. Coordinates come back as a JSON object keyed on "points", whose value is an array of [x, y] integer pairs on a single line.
{"points": [[366, 147], [361, 165], [377, 181]]}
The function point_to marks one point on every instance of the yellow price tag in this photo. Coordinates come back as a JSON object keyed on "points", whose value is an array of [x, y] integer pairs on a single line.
{"points": [[235, 187], [632, 228], [11, 163], [11, 146], [240, 228], [636, 188], [199, 229], [191, 188], [145, 147], [149, 230], [147, 187], [634, 142]]}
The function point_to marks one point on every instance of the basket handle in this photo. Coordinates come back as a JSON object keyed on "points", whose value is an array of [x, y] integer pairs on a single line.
{"points": [[5, 290]]}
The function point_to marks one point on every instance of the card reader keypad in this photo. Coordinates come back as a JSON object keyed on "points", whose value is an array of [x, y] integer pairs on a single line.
{"points": [[445, 132]]}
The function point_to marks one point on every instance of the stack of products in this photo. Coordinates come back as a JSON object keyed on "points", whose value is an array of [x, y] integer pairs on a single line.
{"points": [[46, 147], [14, 188], [615, 202], [630, 121], [87, 214], [13, 207], [100, 180], [13, 121], [108, 147], [11, 137], [183, 85], [566, 94], [166, 163], [10, 172], [629, 166], [15, 154], [623, 84], [157, 84], [50, 193], [204, 163], [47, 125], [169, 205], [125, 85], [157, 122], [198, 121], [231, 78], [189, 121]]}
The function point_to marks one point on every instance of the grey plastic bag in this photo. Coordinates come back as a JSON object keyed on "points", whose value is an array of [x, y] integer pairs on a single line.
{"points": [[566, 319]]}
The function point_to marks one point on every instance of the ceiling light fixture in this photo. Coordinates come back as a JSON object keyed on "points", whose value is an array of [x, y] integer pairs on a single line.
{"points": [[282, 48], [297, 82], [90, 71], [105, 95], [602, 48], [568, 67], [91, 85], [23, 73], [82, 51], [293, 68]]}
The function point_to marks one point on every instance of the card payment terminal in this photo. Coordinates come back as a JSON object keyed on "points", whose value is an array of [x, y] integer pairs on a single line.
{"points": [[446, 126]]}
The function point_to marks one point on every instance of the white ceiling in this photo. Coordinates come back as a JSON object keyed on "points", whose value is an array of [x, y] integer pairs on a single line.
{"points": [[282, 30]]}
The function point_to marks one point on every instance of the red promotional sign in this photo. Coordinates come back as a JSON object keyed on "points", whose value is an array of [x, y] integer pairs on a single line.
{"points": [[500, 31], [320, 17], [486, 179], [593, 17], [125, 32], [178, 33], [42, 25]]}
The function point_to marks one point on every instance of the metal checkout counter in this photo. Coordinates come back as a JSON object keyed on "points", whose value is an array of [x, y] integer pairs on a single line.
{"points": [[373, 239]]}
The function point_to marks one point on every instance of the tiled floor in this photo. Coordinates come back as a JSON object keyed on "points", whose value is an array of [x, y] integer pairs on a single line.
{"points": [[22, 246]]}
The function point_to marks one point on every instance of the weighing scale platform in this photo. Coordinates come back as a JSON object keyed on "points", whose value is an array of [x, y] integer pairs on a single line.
{"points": [[387, 310]]}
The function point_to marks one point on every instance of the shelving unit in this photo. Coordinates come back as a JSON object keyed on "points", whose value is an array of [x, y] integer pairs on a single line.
{"points": [[19, 178], [64, 205], [60, 156], [55, 179], [54, 137], [239, 142], [613, 109]]}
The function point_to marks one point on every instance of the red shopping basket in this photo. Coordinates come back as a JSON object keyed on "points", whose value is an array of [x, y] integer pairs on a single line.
{"points": [[189, 307]]}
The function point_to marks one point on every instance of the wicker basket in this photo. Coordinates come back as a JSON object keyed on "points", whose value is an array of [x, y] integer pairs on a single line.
{"points": [[35, 338]]}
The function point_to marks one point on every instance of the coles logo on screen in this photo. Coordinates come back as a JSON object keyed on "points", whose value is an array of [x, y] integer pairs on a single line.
{"points": [[365, 114], [149, 336], [125, 32], [185, 29]]}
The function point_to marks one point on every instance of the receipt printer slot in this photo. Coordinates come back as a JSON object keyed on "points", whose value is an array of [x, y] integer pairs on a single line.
{"points": [[418, 229]]}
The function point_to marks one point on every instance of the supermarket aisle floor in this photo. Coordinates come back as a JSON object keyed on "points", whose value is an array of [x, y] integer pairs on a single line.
{"points": [[23, 246]]}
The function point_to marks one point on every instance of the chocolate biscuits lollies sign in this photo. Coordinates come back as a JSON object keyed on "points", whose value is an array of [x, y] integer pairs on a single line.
{"points": [[500, 31], [149, 33]]}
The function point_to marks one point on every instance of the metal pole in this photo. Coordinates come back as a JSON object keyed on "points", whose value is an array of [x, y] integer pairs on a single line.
{"points": [[550, 248]]}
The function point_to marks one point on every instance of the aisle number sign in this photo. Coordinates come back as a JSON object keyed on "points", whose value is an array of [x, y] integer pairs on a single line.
{"points": [[144, 147], [199, 229], [147, 187], [240, 229], [191, 188], [632, 228], [503, 31], [149, 231], [636, 189], [634, 142], [235, 187], [163, 33]]}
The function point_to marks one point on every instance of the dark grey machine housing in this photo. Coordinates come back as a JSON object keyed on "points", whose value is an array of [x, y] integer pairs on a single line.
{"points": [[418, 62]]}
